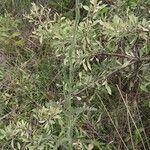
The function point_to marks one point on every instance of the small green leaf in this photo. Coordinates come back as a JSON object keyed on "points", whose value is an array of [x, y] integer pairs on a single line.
{"points": [[144, 87], [89, 66], [15, 34], [86, 7], [41, 39], [107, 87], [90, 146], [84, 65], [78, 98], [126, 64]]}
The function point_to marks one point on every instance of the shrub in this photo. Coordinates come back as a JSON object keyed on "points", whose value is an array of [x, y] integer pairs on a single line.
{"points": [[87, 86]]}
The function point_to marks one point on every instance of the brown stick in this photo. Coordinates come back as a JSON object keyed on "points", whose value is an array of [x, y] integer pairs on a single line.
{"points": [[147, 59]]}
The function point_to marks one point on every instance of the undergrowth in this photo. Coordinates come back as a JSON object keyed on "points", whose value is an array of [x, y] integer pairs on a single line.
{"points": [[78, 80]]}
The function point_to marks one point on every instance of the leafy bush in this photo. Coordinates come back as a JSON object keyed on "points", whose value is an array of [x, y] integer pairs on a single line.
{"points": [[86, 87], [10, 36]]}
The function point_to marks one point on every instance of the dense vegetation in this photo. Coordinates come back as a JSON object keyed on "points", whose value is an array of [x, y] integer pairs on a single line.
{"points": [[74, 74]]}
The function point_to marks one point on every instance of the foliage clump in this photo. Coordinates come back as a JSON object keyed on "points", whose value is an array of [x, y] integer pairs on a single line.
{"points": [[75, 82]]}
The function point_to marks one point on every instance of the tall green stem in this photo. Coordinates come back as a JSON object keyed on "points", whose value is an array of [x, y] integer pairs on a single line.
{"points": [[71, 75], [72, 52]]}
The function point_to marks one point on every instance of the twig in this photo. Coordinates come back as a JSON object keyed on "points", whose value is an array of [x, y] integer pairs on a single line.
{"points": [[147, 59], [5, 116], [130, 115]]}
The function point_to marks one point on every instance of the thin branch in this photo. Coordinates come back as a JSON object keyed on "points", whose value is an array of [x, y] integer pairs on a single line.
{"points": [[145, 59], [130, 115], [5, 116]]}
